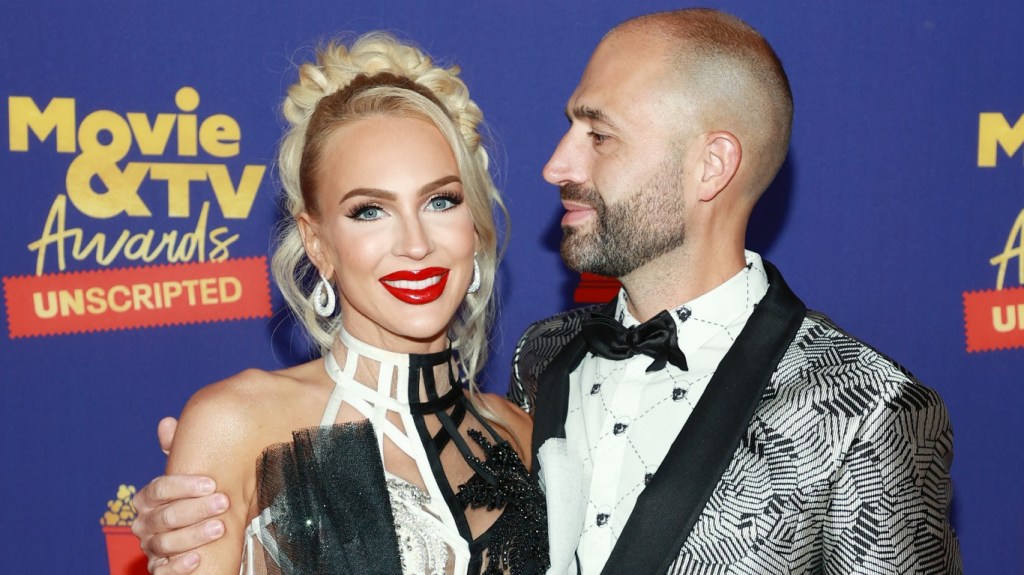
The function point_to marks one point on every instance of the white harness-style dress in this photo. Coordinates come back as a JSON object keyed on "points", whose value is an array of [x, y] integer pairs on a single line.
{"points": [[374, 495]]}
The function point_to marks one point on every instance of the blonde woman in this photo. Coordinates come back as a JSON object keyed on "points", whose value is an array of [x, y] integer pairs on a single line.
{"points": [[380, 457]]}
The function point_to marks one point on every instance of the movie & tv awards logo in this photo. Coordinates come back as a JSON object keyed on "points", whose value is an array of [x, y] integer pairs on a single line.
{"points": [[135, 167], [994, 319]]}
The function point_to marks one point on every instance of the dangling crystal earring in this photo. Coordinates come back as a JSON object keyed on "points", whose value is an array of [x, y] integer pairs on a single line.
{"points": [[474, 286], [323, 308]]}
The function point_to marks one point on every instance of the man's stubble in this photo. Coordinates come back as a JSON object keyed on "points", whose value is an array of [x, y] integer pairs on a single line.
{"points": [[631, 232]]}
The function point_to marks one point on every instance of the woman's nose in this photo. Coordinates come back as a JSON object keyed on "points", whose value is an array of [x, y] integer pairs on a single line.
{"points": [[414, 241]]}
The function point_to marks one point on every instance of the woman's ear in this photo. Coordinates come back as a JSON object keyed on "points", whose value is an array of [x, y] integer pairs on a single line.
{"points": [[309, 230], [720, 160]]}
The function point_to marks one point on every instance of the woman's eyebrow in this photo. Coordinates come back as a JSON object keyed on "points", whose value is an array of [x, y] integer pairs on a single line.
{"points": [[389, 195]]}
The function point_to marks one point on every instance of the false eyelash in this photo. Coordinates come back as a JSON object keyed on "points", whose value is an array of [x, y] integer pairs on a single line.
{"points": [[455, 198], [354, 212]]}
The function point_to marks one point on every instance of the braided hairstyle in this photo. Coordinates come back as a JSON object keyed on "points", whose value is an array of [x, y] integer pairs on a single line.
{"points": [[379, 76]]}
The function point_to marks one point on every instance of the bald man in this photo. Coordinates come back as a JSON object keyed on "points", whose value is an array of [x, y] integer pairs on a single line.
{"points": [[703, 421]]}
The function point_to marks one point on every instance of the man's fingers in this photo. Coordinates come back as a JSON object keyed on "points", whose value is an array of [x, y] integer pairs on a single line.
{"points": [[170, 488], [180, 565], [174, 517], [165, 432], [184, 513], [173, 543]]}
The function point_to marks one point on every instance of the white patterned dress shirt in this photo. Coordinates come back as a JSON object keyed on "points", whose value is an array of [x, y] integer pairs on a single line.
{"points": [[628, 419]]}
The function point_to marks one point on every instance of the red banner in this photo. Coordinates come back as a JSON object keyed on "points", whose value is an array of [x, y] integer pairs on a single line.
{"points": [[146, 296], [595, 289], [994, 319]]}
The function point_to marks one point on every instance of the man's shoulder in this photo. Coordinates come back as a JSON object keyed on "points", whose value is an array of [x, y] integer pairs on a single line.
{"points": [[562, 325], [538, 345], [822, 343], [826, 361], [543, 339]]}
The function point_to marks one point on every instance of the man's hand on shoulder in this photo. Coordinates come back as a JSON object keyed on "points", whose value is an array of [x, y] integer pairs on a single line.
{"points": [[176, 515]]}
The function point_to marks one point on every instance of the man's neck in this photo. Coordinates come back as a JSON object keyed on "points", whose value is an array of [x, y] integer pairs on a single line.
{"points": [[676, 278]]}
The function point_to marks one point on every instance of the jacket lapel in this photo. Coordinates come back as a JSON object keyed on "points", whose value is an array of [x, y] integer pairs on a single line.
{"points": [[670, 504], [552, 403]]}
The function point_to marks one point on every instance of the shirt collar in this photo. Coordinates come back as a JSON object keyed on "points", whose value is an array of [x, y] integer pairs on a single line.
{"points": [[698, 320]]}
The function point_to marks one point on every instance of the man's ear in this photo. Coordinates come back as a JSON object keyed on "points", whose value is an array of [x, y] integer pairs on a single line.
{"points": [[720, 160], [309, 231]]}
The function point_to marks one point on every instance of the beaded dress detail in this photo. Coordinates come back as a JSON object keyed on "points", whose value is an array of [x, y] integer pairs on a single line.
{"points": [[379, 495]]}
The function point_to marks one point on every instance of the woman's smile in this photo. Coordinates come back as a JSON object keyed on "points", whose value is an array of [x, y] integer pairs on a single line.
{"points": [[416, 287]]}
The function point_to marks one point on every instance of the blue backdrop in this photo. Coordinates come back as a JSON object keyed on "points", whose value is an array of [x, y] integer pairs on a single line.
{"points": [[895, 213]]}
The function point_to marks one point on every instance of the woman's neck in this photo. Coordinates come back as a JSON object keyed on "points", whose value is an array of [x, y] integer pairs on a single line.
{"points": [[372, 359]]}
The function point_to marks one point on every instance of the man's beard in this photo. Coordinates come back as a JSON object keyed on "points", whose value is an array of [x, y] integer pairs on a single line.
{"points": [[629, 233]]}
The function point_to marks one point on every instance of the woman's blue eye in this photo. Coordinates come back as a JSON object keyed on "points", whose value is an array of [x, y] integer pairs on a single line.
{"points": [[441, 203], [366, 213]]}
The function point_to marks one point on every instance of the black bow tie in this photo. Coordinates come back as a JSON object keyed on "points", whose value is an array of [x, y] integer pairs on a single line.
{"points": [[655, 338]]}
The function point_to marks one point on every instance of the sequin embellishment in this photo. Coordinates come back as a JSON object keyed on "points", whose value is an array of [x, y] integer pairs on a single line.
{"points": [[423, 551]]}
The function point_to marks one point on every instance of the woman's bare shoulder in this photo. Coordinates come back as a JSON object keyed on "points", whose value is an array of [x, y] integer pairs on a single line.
{"points": [[514, 416], [237, 417], [513, 421]]}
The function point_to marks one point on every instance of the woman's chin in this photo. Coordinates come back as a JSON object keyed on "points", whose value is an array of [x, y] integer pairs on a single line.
{"points": [[432, 336], [408, 336]]}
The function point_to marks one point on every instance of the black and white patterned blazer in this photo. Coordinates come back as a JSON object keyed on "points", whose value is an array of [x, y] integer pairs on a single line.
{"points": [[809, 452]]}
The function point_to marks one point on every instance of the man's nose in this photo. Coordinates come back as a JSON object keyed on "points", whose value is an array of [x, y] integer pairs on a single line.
{"points": [[565, 165]]}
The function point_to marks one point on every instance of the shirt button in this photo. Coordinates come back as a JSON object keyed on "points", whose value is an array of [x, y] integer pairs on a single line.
{"points": [[603, 515], [595, 389], [683, 313], [621, 425]]}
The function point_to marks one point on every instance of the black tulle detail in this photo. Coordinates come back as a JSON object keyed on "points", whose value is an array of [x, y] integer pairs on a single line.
{"points": [[329, 501], [519, 537]]}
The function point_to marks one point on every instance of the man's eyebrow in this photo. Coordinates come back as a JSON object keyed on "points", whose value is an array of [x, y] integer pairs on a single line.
{"points": [[424, 190], [592, 114]]}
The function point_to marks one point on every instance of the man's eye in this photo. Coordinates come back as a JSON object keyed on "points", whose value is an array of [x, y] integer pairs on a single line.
{"points": [[598, 137]]}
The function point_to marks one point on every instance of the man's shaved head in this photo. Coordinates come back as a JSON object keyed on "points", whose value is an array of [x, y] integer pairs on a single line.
{"points": [[729, 78]]}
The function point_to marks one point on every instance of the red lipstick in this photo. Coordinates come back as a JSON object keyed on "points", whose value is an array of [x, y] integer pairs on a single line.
{"points": [[416, 287]]}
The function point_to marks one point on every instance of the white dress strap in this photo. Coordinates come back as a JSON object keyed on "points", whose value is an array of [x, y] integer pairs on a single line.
{"points": [[433, 543]]}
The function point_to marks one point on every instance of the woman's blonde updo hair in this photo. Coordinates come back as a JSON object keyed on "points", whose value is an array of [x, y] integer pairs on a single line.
{"points": [[379, 76]]}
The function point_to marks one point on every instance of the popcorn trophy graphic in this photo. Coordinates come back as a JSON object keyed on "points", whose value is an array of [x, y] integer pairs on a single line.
{"points": [[123, 552]]}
